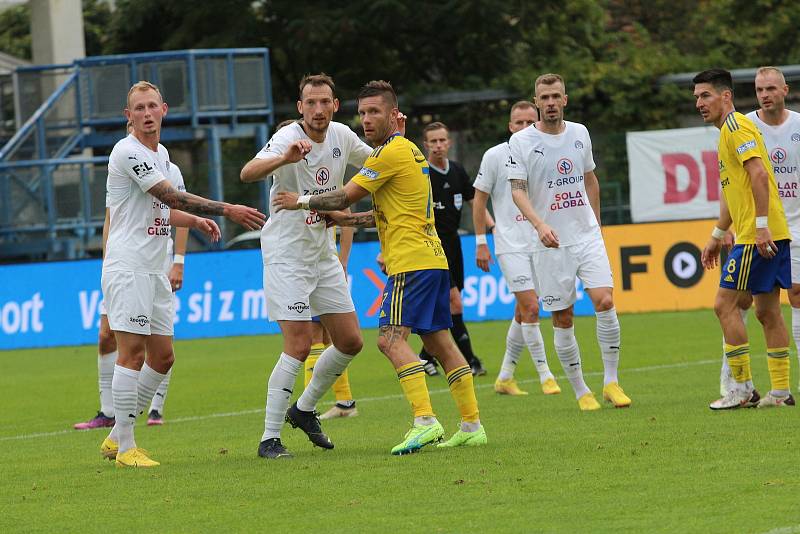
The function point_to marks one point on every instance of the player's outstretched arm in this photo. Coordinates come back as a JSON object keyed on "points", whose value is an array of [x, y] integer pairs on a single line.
{"points": [[250, 218], [479, 213], [184, 221], [365, 219], [519, 193], [257, 168], [338, 199]]}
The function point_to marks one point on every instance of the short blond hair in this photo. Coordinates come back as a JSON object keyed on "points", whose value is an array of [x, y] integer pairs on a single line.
{"points": [[143, 86], [549, 79], [768, 69]]}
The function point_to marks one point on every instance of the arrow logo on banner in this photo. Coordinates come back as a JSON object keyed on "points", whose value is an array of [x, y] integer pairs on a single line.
{"points": [[379, 283]]}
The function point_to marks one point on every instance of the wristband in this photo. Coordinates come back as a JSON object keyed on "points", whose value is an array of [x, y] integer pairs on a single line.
{"points": [[178, 258], [480, 239], [762, 222], [718, 234], [303, 201]]}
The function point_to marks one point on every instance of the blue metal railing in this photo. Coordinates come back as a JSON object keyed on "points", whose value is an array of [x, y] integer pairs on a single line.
{"points": [[85, 111]]}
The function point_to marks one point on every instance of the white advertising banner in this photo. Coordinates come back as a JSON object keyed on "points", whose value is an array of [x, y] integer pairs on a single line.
{"points": [[674, 174]]}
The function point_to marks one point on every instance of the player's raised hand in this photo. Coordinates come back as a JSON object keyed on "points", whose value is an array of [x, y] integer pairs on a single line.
{"points": [[285, 200], [710, 256], [401, 123], [547, 236], [297, 150], [250, 218], [209, 228], [483, 257]]}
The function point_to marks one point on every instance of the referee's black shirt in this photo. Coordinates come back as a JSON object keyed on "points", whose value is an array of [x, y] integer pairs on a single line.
{"points": [[450, 191]]}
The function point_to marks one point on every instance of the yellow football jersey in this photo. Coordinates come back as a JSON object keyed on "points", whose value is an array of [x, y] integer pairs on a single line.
{"points": [[739, 141], [396, 173]]}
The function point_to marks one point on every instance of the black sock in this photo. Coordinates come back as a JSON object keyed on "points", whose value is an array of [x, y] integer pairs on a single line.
{"points": [[461, 336]]}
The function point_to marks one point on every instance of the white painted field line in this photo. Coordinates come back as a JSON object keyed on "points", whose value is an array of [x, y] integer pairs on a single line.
{"points": [[396, 396]]}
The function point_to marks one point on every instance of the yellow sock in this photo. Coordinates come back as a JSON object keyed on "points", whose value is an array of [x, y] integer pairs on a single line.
{"points": [[739, 361], [412, 380], [341, 388], [311, 361], [463, 391], [778, 365]]}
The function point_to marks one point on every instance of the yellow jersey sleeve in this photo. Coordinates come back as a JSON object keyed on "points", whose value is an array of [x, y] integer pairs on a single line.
{"points": [[379, 168], [743, 140]]}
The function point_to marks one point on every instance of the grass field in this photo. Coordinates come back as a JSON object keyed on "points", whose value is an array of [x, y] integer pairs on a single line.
{"points": [[667, 464]]}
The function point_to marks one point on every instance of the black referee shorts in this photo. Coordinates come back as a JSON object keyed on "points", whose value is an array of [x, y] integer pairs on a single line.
{"points": [[455, 259]]}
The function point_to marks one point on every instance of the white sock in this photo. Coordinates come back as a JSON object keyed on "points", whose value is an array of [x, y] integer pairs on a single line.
{"points": [[161, 394], [330, 366], [796, 330], [570, 356], [609, 339], [105, 373], [149, 380], [470, 426], [279, 391], [514, 345], [425, 420], [124, 388], [535, 343]]}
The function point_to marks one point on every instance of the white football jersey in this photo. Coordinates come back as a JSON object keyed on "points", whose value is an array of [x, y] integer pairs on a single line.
{"points": [[554, 167], [513, 232], [783, 145], [300, 236], [139, 226]]}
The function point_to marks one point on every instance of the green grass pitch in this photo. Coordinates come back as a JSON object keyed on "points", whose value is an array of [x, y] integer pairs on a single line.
{"points": [[667, 464]]}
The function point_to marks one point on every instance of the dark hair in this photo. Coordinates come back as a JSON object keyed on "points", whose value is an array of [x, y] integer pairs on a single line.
{"points": [[434, 126], [379, 88], [316, 80], [720, 79]]}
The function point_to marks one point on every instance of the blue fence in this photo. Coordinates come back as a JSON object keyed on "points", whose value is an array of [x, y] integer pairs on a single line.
{"points": [[56, 304]]}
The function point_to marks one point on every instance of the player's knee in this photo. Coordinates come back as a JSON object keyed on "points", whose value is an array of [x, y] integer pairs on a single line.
{"points": [[529, 311], [352, 344], [106, 342], [769, 316], [297, 349], [562, 318], [604, 303], [794, 295]]}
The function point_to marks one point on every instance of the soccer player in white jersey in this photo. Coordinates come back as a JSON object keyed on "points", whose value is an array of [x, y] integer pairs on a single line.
{"points": [[107, 344], [513, 245], [780, 129], [553, 184], [302, 273], [142, 206]]}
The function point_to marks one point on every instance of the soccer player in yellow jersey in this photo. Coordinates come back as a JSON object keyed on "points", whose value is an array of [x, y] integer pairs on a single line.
{"points": [[759, 262], [416, 296]]}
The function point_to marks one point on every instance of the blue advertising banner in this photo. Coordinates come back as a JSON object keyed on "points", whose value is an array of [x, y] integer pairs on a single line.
{"points": [[56, 304]]}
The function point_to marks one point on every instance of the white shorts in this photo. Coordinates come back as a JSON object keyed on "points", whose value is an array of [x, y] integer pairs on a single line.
{"points": [[102, 307], [556, 269], [794, 250], [297, 292], [517, 268], [140, 303]]}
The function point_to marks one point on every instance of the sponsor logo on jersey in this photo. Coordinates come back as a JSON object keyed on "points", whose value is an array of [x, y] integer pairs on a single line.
{"points": [[796, 137], [747, 145], [142, 169], [564, 166], [323, 175], [578, 145], [778, 155], [369, 173], [298, 307], [337, 153], [141, 320]]}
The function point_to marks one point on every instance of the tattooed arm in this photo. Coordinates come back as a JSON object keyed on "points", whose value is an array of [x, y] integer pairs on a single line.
{"points": [[248, 217], [364, 219], [330, 201], [519, 193]]}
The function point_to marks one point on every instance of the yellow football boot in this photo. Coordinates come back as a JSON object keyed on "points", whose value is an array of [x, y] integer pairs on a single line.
{"points": [[135, 457], [109, 448], [588, 403], [508, 387], [614, 394], [550, 387]]}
